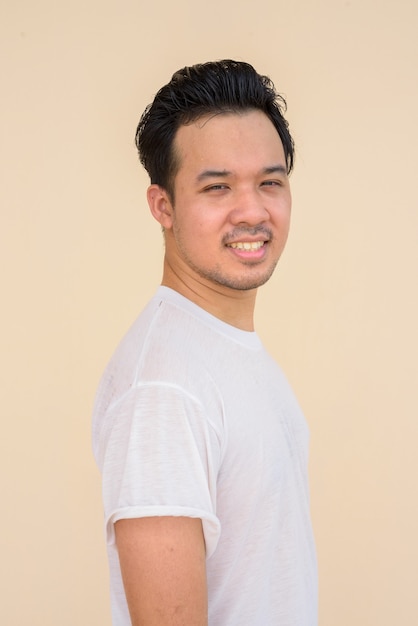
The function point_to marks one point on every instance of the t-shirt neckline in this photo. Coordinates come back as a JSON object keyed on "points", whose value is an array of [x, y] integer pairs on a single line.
{"points": [[249, 339]]}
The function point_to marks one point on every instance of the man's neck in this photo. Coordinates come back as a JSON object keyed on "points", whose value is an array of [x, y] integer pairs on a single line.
{"points": [[232, 306]]}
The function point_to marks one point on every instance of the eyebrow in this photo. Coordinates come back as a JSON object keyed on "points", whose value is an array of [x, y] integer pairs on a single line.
{"points": [[212, 174], [272, 169], [275, 169]]}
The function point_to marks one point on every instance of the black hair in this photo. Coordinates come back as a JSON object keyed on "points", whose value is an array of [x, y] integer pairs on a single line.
{"points": [[214, 87]]}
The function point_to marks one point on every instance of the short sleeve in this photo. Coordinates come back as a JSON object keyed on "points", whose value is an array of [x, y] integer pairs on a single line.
{"points": [[160, 456]]}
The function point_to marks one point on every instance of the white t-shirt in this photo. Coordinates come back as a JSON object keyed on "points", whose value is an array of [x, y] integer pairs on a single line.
{"points": [[194, 418]]}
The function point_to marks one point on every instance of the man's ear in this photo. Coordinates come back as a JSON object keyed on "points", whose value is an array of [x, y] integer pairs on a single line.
{"points": [[160, 205]]}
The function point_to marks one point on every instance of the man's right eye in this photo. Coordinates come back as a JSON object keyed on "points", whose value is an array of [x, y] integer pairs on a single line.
{"points": [[217, 187]]}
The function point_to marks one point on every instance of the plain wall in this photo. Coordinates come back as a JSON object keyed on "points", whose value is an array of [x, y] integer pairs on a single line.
{"points": [[80, 255]]}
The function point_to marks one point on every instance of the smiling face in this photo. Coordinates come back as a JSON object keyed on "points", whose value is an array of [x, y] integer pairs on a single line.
{"points": [[229, 220]]}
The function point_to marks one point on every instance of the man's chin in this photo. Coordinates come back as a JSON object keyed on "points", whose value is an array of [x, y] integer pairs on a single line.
{"points": [[243, 283]]}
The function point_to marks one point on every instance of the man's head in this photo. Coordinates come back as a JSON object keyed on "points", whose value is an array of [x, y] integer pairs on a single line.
{"points": [[195, 92]]}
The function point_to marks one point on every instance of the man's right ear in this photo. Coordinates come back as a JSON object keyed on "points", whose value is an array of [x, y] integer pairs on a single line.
{"points": [[160, 205]]}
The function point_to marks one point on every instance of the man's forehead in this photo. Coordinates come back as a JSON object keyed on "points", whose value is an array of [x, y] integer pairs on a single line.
{"points": [[221, 126], [212, 140]]}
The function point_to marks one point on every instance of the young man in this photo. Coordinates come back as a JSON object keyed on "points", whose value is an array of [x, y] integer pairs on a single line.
{"points": [[201, 443]]}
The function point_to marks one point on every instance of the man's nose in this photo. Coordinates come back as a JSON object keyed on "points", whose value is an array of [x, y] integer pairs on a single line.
{"points": [[249, 208]]}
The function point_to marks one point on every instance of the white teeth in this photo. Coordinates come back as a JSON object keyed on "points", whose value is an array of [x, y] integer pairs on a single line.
{"points": [[247, 245]]}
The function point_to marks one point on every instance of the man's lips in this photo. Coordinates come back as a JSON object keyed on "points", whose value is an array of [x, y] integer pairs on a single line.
{"points": [[248, 238], [246, 245]]}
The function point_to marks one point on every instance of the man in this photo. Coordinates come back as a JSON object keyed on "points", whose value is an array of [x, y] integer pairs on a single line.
{"points": [[201, 443]]}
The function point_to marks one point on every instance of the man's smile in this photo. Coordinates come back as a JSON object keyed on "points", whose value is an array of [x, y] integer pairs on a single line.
{"points": [[247, 245]]}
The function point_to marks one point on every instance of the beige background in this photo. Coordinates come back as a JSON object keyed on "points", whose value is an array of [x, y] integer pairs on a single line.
{"points": [[80, 256]]}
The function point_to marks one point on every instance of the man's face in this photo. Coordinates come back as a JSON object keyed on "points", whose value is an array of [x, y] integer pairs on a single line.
{"points": [[231, 213]]}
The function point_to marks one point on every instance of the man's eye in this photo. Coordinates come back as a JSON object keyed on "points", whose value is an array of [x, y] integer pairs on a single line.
{"points": [[217, 187], [271, 183]]}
